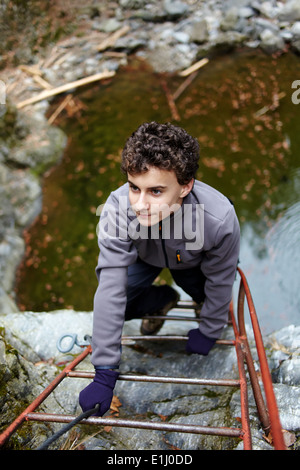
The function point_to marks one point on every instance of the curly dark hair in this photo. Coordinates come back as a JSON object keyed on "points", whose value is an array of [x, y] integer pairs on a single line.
{"points": [[164, 146]]}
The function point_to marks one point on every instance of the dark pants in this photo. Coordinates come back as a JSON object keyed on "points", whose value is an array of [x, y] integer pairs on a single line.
{"points": [[144, 298]]}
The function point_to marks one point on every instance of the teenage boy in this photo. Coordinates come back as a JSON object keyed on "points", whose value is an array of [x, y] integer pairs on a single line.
{"points": [[161, 218]]}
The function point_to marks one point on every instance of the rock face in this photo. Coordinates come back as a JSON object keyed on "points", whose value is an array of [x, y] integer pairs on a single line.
{"points": [[21, 382], [28, 365], [28, 147]]}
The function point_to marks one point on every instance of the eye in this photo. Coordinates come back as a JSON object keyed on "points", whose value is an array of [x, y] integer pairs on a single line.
{"points": [[156, 192], [134, 188]]}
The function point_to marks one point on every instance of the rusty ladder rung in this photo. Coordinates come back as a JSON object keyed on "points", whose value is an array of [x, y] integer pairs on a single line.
{"points": [[162, 379], [128, 338], [129, 423]]}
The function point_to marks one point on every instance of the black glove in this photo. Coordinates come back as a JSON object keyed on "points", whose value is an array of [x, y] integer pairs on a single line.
{"points": [[99, 391], [199, 343]]}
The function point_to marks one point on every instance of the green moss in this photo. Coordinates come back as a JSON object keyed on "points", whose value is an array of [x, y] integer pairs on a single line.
{"points": [[8, 122]]}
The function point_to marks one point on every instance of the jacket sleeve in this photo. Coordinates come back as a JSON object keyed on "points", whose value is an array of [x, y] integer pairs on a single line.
{"points": [[219, 267], [116, 254]]}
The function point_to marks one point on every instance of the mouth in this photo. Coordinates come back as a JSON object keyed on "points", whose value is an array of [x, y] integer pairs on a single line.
{"points": [[143, 215]]}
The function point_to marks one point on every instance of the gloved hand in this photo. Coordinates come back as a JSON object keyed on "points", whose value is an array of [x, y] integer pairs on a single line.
{"points": [[99, 391], [199, 343]]}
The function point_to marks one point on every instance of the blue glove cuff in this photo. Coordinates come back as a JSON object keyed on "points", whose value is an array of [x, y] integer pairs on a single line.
{"points": [[199, 343]]}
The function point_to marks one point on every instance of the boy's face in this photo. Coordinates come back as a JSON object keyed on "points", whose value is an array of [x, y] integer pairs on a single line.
{"points": [[155, 194]]}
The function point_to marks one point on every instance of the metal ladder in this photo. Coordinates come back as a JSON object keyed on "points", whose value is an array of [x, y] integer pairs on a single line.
{"points": [[267, 409]]}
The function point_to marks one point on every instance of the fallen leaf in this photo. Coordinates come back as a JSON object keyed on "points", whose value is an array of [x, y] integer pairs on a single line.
{"points": [[289, 438], [115, 404], [107, 428], [268, 438], [162, 417]]}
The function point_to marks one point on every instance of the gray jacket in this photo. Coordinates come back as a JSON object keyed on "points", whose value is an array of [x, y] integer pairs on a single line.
{"points": [[204, 232]]}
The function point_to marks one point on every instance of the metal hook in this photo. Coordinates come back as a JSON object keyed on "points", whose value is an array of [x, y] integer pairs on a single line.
{"points": [[74, 341]]}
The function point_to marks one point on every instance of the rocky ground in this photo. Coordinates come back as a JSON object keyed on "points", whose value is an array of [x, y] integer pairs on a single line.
{"points": [[30, 360], [72, 41]]}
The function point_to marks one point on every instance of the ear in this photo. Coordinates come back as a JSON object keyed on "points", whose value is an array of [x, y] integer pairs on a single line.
{"points": [[186, 188]]}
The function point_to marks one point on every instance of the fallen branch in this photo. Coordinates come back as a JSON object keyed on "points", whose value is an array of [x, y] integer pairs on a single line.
{"points": [[63, 88], [110, 41], [193, 67], [171, 103], [272, 107], [55, 53], [36, 75], [42, 82], [184, 85], [31, 70], [60, 108]]}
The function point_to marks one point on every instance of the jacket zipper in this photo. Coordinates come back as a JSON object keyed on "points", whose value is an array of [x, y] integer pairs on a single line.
{"points": [[163, 245]]}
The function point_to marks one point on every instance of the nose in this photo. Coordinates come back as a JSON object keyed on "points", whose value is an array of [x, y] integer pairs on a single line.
{"points": [[141, 203]]}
